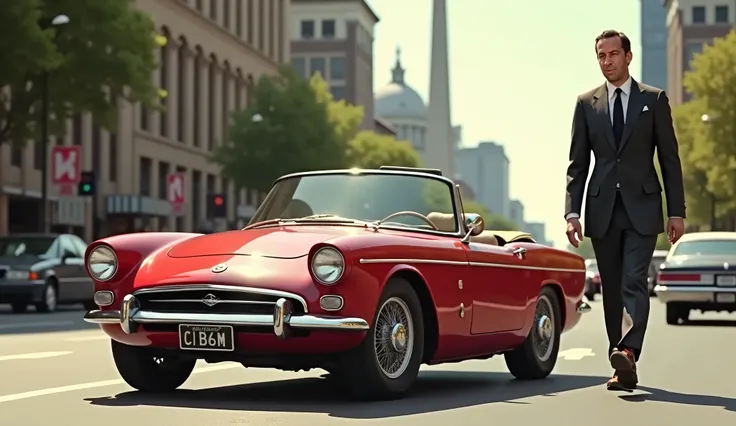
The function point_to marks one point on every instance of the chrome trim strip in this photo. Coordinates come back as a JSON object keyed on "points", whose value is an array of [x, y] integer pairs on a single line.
{"points": [[219, 302], [222, 287], [478, 264], [583, 308], [693, 289]]}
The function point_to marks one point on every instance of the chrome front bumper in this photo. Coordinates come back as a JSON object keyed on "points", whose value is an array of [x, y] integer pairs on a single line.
{"points": [[691, 293], [583, 308], [129, 316]]}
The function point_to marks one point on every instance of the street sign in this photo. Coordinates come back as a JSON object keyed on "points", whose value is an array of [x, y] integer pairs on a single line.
{"points": [[66, 164], [175, 192]]}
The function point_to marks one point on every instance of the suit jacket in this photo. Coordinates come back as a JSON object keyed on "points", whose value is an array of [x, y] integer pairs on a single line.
{"points": [[627, 168]]}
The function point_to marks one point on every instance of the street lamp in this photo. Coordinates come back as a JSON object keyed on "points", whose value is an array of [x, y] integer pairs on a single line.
{"points": [[57, 21]]}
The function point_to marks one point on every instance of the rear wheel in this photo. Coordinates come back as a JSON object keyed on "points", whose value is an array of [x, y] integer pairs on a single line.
{"points": [[147, 371], [676, 312], [536, 358], [50, 300], [385, 365]]}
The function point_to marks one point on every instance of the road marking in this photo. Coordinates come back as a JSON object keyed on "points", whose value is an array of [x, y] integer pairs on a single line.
{"points": [[36, 355], [54, 324], [87, 338], [92, 385], [575, 354]]}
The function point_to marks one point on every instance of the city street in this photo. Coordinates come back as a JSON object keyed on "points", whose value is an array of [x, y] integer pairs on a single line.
{"points": [[56, 370]]}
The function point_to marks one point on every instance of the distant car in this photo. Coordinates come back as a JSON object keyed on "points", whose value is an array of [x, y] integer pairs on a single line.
{"points": [[699, 273], [364, 273], [43, 270], [657, 260], [592, 279]]}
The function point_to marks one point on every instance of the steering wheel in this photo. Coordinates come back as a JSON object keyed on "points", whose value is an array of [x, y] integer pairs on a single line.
{"points": [[424, 218]]}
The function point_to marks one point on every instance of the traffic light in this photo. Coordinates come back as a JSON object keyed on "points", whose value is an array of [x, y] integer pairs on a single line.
{"points": [[218, 206], [87, 184]]}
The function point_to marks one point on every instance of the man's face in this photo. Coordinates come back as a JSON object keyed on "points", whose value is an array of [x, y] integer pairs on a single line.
{"points": [[613, 61]]}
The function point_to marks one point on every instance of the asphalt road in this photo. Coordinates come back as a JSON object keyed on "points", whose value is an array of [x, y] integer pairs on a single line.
{"points": [[52, 374]]}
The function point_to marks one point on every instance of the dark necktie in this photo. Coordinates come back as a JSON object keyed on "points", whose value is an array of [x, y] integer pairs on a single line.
{"points": [[618, 117]]}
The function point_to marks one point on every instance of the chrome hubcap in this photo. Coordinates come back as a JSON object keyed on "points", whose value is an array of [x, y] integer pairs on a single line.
{"points": [[543, 338], [50, 297], [394, 337]]}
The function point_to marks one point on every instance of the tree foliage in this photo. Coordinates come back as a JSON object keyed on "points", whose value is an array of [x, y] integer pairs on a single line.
{"points": [[105, 52], [492, 221], [294, 125], [709, 146]]}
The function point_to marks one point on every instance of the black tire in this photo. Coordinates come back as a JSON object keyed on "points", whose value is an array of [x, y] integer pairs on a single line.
{"points": [[359, 372], [19, 308], [676, 312], [50, 298], [139, 368], [590, 296], [524, 362]]}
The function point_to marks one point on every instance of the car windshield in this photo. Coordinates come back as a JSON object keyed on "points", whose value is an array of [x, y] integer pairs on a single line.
{"points": [[706, 248], [359, 196], [25, 246]]}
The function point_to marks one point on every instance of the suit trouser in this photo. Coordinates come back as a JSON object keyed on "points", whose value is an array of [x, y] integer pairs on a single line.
{"points": [[623, 256]]}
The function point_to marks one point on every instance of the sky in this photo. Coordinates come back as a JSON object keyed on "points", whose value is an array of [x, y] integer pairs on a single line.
{"points": [[516, 68]]}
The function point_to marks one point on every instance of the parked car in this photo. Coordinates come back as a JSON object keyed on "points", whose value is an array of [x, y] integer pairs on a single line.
{"points": [[44, 270], [364, 273], [657, 260], [592, 279], [699, 273]]}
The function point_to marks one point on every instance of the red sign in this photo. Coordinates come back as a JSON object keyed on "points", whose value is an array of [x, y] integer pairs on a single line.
{"points": [[175, 191], [66, 164]]}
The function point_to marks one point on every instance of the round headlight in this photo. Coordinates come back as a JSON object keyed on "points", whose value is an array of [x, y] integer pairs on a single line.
{"points": [[102, 263], [328, 265]]}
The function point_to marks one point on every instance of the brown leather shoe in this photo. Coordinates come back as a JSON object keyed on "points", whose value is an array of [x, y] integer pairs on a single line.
{"points": [[615, 385], [624, 362]]}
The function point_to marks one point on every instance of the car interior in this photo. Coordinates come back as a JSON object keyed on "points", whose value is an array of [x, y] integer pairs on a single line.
{"points": [[446, 222]]}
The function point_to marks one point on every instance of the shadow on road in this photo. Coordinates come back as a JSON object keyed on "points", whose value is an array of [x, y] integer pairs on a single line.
{"points": [[660, 395], [65, 318], [434, 391]]}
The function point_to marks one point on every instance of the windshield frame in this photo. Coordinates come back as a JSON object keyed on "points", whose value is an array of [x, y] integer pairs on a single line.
{"points": [[456, 204]]}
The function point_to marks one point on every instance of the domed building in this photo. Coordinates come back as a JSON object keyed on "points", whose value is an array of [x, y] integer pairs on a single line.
{"points": [[402, 106]]}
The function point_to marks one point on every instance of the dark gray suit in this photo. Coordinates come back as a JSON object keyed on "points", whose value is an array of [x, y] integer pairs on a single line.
{"points": [[624, 203]]}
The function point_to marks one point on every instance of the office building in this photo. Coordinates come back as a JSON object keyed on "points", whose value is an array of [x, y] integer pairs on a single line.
{"points": [[485, 169], [653, 43]]}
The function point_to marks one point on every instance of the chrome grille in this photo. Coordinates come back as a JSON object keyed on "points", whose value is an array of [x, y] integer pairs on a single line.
{"points": [[214, 299]]}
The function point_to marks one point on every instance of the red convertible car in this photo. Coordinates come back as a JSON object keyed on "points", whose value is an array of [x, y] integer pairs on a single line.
{"points": [[364, 273]]}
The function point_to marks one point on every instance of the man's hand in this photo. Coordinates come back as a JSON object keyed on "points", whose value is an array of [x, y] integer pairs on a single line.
{"points": [[575, 232], [675, 229]]}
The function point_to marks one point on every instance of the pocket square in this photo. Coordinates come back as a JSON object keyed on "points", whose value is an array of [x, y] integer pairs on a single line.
{"points": [[645, 109]]}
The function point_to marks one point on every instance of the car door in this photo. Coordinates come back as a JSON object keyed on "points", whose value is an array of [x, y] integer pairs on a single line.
{"points": [[498, 284], [71, 286]]}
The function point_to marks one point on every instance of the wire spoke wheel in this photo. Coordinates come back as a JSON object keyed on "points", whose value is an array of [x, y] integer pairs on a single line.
{"points": [[543, 335], [393, 337]]}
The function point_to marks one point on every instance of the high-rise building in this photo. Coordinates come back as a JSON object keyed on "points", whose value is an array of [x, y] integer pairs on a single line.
{"points": [[690, 25], [335, 38], [485, 169], [516, 213], [653, 43], [215, 51]]}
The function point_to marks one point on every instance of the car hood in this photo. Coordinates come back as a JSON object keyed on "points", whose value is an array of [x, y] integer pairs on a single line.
{"points": [[274, 242], [686, 263]]}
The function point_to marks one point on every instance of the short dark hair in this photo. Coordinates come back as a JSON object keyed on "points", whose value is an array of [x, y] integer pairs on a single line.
{"points": [[625, 42]]}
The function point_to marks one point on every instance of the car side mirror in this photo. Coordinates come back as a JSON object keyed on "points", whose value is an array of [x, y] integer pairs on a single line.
{"points": [[475, 224]]}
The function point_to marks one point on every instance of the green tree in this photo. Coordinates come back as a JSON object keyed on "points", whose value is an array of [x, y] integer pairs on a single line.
{"points": [[710, 146], [104, 53], [492, 221], [370, 150], [291, 125]]}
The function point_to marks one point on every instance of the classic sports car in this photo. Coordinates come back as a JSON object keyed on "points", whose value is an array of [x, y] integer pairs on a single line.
{"points": [[699, 273], [364, 273]]}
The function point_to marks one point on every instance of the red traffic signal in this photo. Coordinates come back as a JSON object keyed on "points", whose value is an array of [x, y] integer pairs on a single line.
{"points": [[218, 200], [217, 206]]}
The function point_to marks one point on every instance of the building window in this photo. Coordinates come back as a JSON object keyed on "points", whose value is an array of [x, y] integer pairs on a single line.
{"points": [[307, 29], [226, 81], [144, 117], [300, 66], [213, 10], [337, 68], [239, 18], [96, 144], [226, 13], [721, 14], [37, 154], [77, 129], [164, 83], [163, 179], [698, 14], [318, 65], [144, 185], [251, 19], [113, 157], [16, 154], [338, 92], [262, 25], [181, 90], [692, 49], [328, 28], [272, 26], [209, 143], [196, 192], [198, 64], [199, 5]]}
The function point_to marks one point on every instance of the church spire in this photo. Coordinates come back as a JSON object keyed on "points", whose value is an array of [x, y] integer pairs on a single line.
{"points": [[397, 74]]}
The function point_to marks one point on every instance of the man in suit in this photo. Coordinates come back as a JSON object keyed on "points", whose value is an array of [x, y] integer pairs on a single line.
{"points": [[623, 122]]}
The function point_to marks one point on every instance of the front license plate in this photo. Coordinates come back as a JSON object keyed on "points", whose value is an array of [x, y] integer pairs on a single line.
{"points": [[206, 337], [726, 297], [726, 280]]}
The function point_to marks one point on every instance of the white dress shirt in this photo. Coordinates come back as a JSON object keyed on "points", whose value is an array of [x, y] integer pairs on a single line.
{"points": [[625, 94]]}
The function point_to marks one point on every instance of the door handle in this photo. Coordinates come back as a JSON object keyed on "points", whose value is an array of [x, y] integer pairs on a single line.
{"points": [[520, 252]]}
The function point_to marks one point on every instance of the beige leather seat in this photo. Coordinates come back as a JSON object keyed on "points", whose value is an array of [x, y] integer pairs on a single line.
{"points": [[446, 222]]}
